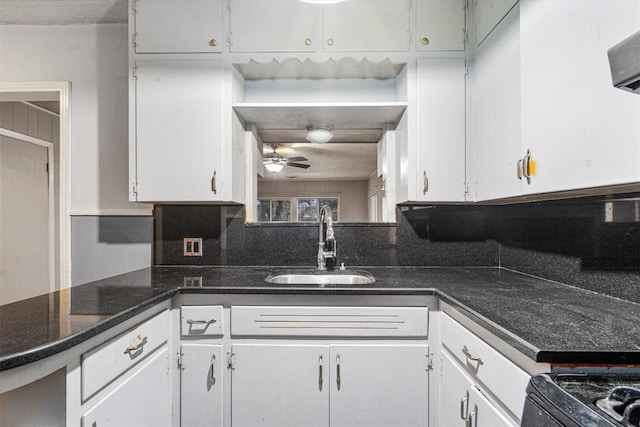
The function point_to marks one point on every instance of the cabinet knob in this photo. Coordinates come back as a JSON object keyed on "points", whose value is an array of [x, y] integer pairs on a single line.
{"points": [[330, 42], [214, 188], [425, 41], [213, 42], [307, 41]]}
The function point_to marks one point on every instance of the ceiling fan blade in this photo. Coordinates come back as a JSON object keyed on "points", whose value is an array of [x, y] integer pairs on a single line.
{"points": [[298, 165], [297, 159]]}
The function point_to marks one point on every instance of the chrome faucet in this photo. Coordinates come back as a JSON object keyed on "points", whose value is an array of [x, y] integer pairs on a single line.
{"points": [[327, 248]]}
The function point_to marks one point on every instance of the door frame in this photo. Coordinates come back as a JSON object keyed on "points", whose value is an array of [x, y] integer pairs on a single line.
{"points": [[61, 91], [26, 139]]}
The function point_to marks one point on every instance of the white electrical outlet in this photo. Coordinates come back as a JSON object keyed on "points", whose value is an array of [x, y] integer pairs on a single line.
{"points": [[192, 246]]}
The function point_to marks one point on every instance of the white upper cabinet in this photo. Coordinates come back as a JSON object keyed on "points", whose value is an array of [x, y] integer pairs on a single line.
{"points": [[497, 113], [488, 14], [185, 145], [440, 25], [273, 26], [432, 137], [169, 26], [367, 26], [544, 102], [296, 26], [581, 131]]}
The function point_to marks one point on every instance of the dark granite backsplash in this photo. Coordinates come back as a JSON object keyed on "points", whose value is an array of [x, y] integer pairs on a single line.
{"points": [[569, 241], [227, 240]]}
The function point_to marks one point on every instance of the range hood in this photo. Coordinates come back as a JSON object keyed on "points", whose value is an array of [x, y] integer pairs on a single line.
{"points": [[624, 60]]}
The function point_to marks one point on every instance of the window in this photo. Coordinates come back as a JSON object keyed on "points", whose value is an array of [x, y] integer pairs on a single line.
{"points": [[274, 210], [309, 209], [295, 209]]}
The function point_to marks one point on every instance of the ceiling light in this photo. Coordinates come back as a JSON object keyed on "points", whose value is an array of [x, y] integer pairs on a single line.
{"points": [[319, 134], [274, 164]]}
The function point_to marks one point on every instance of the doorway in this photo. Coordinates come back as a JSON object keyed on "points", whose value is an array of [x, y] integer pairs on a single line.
{"points": [[34, 194], [27, 234]]}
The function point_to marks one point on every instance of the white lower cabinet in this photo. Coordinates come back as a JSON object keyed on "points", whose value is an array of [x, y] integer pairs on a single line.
{"points": [[461, 401], [201, 384], [283, 384], [280, 385], [379, 385], [479, 386], [143, 398]]}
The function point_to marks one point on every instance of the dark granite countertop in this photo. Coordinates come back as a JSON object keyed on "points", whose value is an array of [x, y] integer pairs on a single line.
{"points": [[546, 321]]}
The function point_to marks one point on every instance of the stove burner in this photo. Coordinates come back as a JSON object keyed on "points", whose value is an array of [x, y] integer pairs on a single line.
{"points": [[623, 405]]}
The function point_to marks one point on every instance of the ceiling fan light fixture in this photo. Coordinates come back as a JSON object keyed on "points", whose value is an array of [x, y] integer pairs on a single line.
{"points": [[319, 134], [274, 165]]}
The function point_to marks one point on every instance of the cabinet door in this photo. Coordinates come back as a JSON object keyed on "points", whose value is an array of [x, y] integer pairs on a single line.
{"points": [[174, 26], [454, 394], [441, 139], [462, 403], [201, 385], [440, 25], [290, 26], [581, 130], [280, 385], [482, 413], [498, 141], [488, 15], [178, 130], [143, 399], [379, 385], [366, 26]]}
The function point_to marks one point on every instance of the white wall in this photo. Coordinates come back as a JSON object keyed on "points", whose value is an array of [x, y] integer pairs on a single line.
{"points": [[95, 59]]}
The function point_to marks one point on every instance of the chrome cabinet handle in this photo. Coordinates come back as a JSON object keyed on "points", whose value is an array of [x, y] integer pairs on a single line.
{"points": [[469, 356], [200, 322], [320, 373], [338, 379], [132, 351], [473, 416], [425, 182], [213, 183], [464, 407], [520, 170], [212, 370]]}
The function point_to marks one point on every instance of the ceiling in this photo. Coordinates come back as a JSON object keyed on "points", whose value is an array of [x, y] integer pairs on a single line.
{"points": [[62, 12], [331, 161]]}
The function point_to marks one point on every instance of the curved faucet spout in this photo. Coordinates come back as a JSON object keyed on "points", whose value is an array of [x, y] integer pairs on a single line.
{"points": [[327, 248]]}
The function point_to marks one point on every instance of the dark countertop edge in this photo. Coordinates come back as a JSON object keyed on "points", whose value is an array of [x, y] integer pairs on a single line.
{"points": [[42, 352], [545, 356]]}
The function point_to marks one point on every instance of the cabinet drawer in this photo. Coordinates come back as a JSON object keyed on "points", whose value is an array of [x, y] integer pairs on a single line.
{"points": [[201, 320], [506, 381], [330, 321], [105, 363]]}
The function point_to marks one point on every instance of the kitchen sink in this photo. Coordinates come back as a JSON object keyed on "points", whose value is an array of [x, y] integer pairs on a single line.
{"points": [[321, 277]]}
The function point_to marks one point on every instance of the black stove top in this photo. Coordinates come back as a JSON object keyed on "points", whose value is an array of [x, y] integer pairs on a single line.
{"points": [[585, 397]]}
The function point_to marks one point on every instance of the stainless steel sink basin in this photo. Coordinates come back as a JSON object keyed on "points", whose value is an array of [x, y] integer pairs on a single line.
{"points": [[317, 277]]}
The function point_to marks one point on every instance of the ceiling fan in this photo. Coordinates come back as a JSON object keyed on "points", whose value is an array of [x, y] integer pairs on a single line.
{"points": [[274, 162]]}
